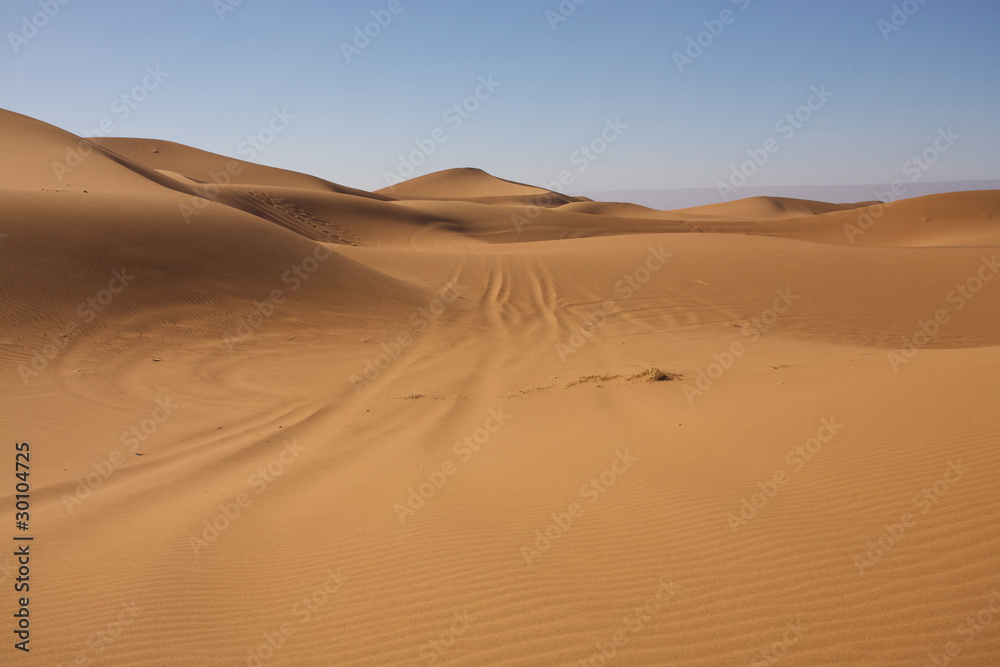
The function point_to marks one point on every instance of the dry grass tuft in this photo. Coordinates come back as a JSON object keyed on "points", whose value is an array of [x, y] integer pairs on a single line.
{"points": [[649, 374], [652, 374]]}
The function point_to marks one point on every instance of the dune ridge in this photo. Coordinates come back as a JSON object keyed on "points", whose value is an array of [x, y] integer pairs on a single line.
{"points": [[278, 420]]}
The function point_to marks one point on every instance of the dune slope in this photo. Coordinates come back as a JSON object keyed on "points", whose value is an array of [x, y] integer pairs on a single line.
{"points": [[288, 423]]}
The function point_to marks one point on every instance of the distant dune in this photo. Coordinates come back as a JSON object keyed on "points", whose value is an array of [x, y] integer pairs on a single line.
{"points": [[469, 184], [463, 420], [769, 208], [674, 198], [465, 183]]}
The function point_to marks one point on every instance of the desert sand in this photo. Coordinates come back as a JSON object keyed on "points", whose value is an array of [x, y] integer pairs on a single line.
{"points": [[274, 420]]}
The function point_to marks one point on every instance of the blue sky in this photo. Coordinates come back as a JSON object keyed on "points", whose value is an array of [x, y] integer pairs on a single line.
{"points": [[559, 83]]}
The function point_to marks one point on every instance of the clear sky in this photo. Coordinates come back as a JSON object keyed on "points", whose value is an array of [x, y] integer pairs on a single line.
{"points": [[226, 65]]}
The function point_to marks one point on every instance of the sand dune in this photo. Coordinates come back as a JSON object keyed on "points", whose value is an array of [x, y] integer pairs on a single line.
{"points": [[467, 183], [285, 422], [768, 208], [213, 168], [470, 184]]}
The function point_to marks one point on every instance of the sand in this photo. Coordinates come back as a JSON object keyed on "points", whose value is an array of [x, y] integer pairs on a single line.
{"points": [[275, 420]]}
